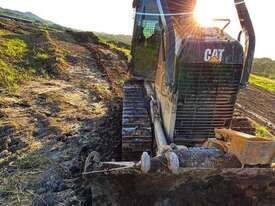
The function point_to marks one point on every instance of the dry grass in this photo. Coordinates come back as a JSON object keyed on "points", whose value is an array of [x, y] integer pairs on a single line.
{"points": [[33, 162], [99, 108], [102, 90], [12, 187]]}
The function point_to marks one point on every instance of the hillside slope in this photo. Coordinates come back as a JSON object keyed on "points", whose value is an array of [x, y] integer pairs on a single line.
{"points": [[5, 13], [60, 98], [26, 51], [123, 40]]}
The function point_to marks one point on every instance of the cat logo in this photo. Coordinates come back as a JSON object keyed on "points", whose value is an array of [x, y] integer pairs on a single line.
{"points": [[213, 56]]}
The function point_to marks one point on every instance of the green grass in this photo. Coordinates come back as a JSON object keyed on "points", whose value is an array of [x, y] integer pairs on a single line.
{"points": [[13, 51], [8, 77], [102, 90], [125, 51], [4, 32], [28, 51], [263, 82], [262, 131], [15, 48], [22, 56], [42, 56], [120, 82]]}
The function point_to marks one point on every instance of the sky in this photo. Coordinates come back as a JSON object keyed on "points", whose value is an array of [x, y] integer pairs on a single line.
{"points": [[116, 16]]}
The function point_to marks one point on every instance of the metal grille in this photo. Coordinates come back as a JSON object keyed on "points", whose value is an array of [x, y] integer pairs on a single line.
{"points": [[207, 97]]}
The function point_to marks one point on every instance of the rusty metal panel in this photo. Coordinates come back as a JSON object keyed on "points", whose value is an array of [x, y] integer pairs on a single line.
{"points": [[249, 149]]}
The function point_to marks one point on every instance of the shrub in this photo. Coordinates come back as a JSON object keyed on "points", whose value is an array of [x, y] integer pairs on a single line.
{"points": [[264, 67]]}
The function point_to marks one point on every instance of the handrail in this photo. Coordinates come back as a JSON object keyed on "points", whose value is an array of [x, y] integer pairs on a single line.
{"points": [[250, 42]]}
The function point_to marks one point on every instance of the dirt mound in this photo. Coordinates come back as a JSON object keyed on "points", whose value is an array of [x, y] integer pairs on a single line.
{"points": [[84, 37], [243, 124]]}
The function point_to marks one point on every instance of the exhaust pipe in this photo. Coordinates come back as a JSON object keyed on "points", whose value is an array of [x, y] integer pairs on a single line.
{"points": [[250, 40]]}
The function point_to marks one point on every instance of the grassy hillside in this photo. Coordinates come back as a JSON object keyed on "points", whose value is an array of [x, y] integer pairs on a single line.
{"points": [[28, 16], [26, 52], [120, 39], [264, 67]]}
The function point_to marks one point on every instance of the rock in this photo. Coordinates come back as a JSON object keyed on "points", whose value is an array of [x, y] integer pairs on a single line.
{"points": [[2, 115], [4, 154], [23, 103], [74, 166], [4, 143], [6, 130], [16, 143]]}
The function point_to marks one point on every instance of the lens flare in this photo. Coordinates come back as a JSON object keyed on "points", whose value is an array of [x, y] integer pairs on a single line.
{"points": [[206, 11]]}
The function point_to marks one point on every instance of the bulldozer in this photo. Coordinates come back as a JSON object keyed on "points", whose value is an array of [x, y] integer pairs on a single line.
{"points": [[177, 145]]}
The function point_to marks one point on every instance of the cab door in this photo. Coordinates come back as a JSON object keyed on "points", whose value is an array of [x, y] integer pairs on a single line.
{"points": [[146, 40]]}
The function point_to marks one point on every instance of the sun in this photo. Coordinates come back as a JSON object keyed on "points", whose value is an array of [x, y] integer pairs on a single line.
{"points": [[206, 11]]}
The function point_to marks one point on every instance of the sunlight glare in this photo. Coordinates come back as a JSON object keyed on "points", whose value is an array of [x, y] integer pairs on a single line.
{"points": [[206, 11]]}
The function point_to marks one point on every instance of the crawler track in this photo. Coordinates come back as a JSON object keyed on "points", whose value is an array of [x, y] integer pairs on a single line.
{"points": [[136, 123]]}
